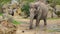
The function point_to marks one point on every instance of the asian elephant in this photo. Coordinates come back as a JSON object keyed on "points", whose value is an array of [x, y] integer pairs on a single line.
{"points": [[38, 10]]}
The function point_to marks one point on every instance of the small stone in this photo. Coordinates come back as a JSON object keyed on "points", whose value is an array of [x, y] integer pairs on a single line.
{"points": [[22, 31]]}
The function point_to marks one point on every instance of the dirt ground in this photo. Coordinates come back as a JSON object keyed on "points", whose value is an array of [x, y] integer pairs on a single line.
{"points": [[23, 28]]}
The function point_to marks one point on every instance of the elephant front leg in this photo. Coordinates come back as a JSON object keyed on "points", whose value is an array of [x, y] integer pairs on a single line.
{"points": [[37, 22], [31, 20], [45, 23], [31, 23], [32, 10]]}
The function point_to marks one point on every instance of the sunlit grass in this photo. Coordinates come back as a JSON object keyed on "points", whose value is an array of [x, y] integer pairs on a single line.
{"points": [[16, 22], [52, 30], [1, 14], [52, 18]]}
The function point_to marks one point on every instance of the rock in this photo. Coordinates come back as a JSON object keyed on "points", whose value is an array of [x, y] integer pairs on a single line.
{"points": [[7, 27], [7, 17]]}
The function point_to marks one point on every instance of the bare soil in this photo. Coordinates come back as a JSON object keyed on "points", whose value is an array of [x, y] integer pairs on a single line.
{"points": [[23, 28]]}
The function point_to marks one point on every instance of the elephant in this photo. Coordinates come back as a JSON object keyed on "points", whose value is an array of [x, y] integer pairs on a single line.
{"points": [[38, 10]]}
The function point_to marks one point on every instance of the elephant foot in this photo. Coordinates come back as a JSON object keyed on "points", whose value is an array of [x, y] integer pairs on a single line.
{"points": [[37, 25], [45, 24], [31, 28]]}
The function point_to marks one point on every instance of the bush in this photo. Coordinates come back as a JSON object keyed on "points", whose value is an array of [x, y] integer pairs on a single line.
{"points": [[25, 9], [57, 13], [57, 1]]}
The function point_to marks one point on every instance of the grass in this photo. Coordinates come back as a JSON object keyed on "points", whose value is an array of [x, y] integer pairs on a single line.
{"points": [[1, 14], [16, 22], [52, 18], [53, 30]]}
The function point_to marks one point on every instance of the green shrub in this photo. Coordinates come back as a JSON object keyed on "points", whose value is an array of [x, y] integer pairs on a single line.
{"points": [[57, 1], [57, 13], [25, 7]]}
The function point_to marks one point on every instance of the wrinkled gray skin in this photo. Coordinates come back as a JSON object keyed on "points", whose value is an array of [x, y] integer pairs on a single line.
{"points": [[38, 11]]}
